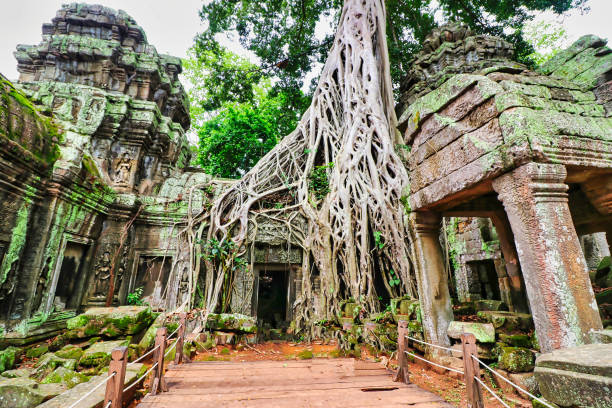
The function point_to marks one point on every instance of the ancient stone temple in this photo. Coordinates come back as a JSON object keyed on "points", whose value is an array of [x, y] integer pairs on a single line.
{"points": [[93, 169], [530, 152]]}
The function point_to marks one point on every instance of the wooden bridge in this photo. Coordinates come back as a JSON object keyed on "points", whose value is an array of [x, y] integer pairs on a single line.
{"points": [[325, 383]]}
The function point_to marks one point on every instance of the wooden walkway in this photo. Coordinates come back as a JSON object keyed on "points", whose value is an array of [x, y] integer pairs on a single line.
{"points": [[325, 383]]}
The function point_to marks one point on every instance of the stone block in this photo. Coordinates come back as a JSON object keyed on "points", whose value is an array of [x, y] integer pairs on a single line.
{"points": [[61, 375], [485, 351], [70, 351], [526, 381], [577, 376], [484, 332], [50, 362], [516, 340], [8, 356], [516, 359], [99, 354], [601, 336], [26, 393], [490, 305], [232, 322], [507, 320], [37, 351], [110, 322], [18, 372]]}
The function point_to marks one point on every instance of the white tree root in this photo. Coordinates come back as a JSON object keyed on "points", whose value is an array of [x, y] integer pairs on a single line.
{"points": [[351, 124]]}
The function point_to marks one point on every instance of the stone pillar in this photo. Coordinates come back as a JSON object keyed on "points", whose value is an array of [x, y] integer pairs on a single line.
{"points": [[595, 247], [516, 285], [432, 278], [556, 277]]}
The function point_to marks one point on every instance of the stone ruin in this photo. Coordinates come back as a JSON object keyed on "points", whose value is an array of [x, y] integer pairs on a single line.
{"points": [[509, 167], [530, 152]]}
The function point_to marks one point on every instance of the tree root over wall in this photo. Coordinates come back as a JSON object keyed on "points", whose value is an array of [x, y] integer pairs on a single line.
{"points": [[356, 229]]}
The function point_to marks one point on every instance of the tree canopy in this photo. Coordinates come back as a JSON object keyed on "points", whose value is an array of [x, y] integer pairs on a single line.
{"points": [[290, 36]]}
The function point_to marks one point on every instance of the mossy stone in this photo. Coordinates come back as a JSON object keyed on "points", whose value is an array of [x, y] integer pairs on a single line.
{"points": [[516, 340], [8, 357], [37, 351], [516, 359], [70, 351], [99, 354], [65, 376]]}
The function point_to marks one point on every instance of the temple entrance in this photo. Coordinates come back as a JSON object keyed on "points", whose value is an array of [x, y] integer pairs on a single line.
{"points": [[272, 296], [152, 277], [71, 273], [482, 280]]}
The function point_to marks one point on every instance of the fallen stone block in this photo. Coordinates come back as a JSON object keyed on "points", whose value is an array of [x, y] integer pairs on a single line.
{"points": [[50, 362], [99, 354], [516, 359], [484, 332], [70, 351], [8, 356], [507, 320], [66, 399], [110, 322], [577, 376], [490, 305], [26, 393], [64, 376], [231, 322]]}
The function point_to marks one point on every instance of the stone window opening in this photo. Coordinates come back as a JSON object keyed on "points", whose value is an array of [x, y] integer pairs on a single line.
{"points": [[152, 277]]}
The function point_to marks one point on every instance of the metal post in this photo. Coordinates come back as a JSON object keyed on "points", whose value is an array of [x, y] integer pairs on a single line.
{"points": [[159, 382], [471, 369], [114, 386], [180, 341], [402, 374]]}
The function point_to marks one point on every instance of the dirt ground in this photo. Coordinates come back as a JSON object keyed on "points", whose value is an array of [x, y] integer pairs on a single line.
{"points": [[446, 384]]}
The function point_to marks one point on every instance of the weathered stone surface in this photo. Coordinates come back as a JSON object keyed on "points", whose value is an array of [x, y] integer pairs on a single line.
{"points": [[602, 336], [485, 351], [70, 351], [99, 354], [37, 351], [8, 356], [490, 305], [507, 320], [516, 359], [50, 362], [516, 340], [26, 393], [148, 339], [64, 376], [577, 376], [526, 381], [484, 332], [231, 322], [69, 397], [18, 372], [110, 322]]}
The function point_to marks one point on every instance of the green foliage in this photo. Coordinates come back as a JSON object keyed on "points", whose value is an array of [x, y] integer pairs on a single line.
{"points": [[290, 37], [135, 298], [394, 280], [547, 38], [319, 181], [378, 241]]}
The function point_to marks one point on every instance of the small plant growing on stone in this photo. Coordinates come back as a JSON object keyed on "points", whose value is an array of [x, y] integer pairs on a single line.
{"points": [[135, 298]]}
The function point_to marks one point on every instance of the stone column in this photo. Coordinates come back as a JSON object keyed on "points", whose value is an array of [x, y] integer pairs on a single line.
{"points": [[555, 272], [432, 278], [518, 299]]}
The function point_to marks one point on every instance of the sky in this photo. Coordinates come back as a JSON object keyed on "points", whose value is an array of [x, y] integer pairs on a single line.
{"points": [[172, 25]]}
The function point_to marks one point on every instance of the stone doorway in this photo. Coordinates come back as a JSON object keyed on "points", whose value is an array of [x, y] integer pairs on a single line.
{"points": [[152, 276], [483, 282], [272, 298], [67, 293]]}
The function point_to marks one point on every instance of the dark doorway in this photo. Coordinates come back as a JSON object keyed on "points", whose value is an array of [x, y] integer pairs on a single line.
{"points": [[483, 280], [71, 274], [272, 297], [153, 273]]}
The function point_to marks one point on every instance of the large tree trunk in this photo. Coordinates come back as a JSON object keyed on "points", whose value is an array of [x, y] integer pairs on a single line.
{"points": [[350, 128]]}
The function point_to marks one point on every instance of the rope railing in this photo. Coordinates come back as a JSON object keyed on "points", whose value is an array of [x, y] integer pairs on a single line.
{"points": [[115, 382], [471, 367], [101, 383]]}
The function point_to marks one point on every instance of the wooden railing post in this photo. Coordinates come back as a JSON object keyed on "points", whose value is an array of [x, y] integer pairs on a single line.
{"points": [[180, 341], [159, 382], [471, 369], [114, 386], [402, 374]]}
